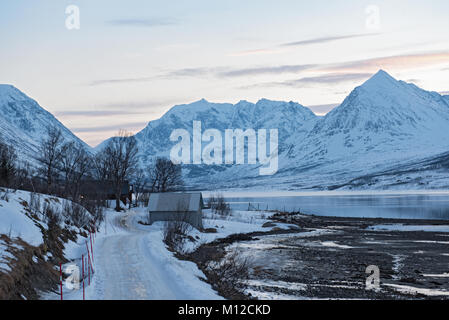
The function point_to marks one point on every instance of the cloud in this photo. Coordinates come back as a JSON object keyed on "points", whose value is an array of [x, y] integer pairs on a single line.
{"points": [[335, 72], [398, 62], [118, 108], [328, 78], [218, 72], [326, 39], [255, 52], [322, 109], [266, 70], [186, 72], [192, 72], [281, 47], [416, 81], [143, 22], [129, 125], [95, 113], [120, 81], [323, 79], [360, 69]]}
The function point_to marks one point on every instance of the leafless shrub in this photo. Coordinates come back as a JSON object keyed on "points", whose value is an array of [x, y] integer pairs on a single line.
{"points": [[51, 215], [219, 206], [35, 203], [76, 214], [229, 274], [96, 208], [176, 234], [4, 194]]}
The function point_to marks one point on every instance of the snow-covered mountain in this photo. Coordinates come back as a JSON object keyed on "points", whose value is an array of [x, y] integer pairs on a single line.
{"points": [[292, 119], [381, 125], [23, 123]]}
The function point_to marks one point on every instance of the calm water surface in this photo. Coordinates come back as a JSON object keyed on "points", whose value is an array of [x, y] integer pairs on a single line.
{"points": [[432, 205]]}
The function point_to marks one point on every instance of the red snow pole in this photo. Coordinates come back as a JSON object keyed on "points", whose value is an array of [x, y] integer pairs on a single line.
{"points": [[87, 266], [88, 270], [60, 280], [88, 259], [88, 255], [91, 248], [82, 263]]}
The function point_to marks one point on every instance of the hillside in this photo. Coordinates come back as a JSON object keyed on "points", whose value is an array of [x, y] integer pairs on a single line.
{"points": [[37, 233]]}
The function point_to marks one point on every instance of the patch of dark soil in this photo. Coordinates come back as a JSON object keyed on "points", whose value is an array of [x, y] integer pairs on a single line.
{"points": [[30, 272]]}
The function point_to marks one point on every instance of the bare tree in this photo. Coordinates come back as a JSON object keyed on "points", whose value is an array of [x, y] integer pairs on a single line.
{"points": [[140, 183], [75, 165], [165, 176], [8, 164], [50, 151], [119, 162]]}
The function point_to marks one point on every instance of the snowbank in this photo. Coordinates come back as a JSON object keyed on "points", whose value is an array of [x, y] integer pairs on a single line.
{"points": [[15, 223]]}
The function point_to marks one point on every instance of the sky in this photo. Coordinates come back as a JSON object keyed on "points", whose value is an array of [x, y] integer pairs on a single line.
{"points": [[131, 61]]}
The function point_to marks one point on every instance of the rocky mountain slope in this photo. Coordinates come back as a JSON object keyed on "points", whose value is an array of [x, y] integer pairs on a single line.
{"points": [[23, 122]]}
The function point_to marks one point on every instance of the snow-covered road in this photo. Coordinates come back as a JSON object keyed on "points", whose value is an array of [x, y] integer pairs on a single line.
{"points": [[132, 263], [129, 267]]}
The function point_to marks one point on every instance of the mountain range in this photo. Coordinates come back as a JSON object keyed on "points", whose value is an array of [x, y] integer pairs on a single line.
{"points": [[387, 134]]}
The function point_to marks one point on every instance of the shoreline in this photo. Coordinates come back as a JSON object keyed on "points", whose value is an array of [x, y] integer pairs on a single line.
{"points": [[327, 257]]}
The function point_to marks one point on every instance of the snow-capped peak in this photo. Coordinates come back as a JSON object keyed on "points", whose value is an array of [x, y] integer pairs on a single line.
{"points": [[381, 80], [24, 123]]}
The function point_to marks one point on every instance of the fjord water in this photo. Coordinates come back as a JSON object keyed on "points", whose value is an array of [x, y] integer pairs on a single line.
{"points": [[420, 205]]}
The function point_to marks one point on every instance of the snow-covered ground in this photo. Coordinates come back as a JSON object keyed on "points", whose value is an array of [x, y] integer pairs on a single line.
{"points": [[132, 262], [23, 216], [15, 223]]}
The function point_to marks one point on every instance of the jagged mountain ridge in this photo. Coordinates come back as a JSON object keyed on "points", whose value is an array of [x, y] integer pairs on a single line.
{"points": [[265, 114]]}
